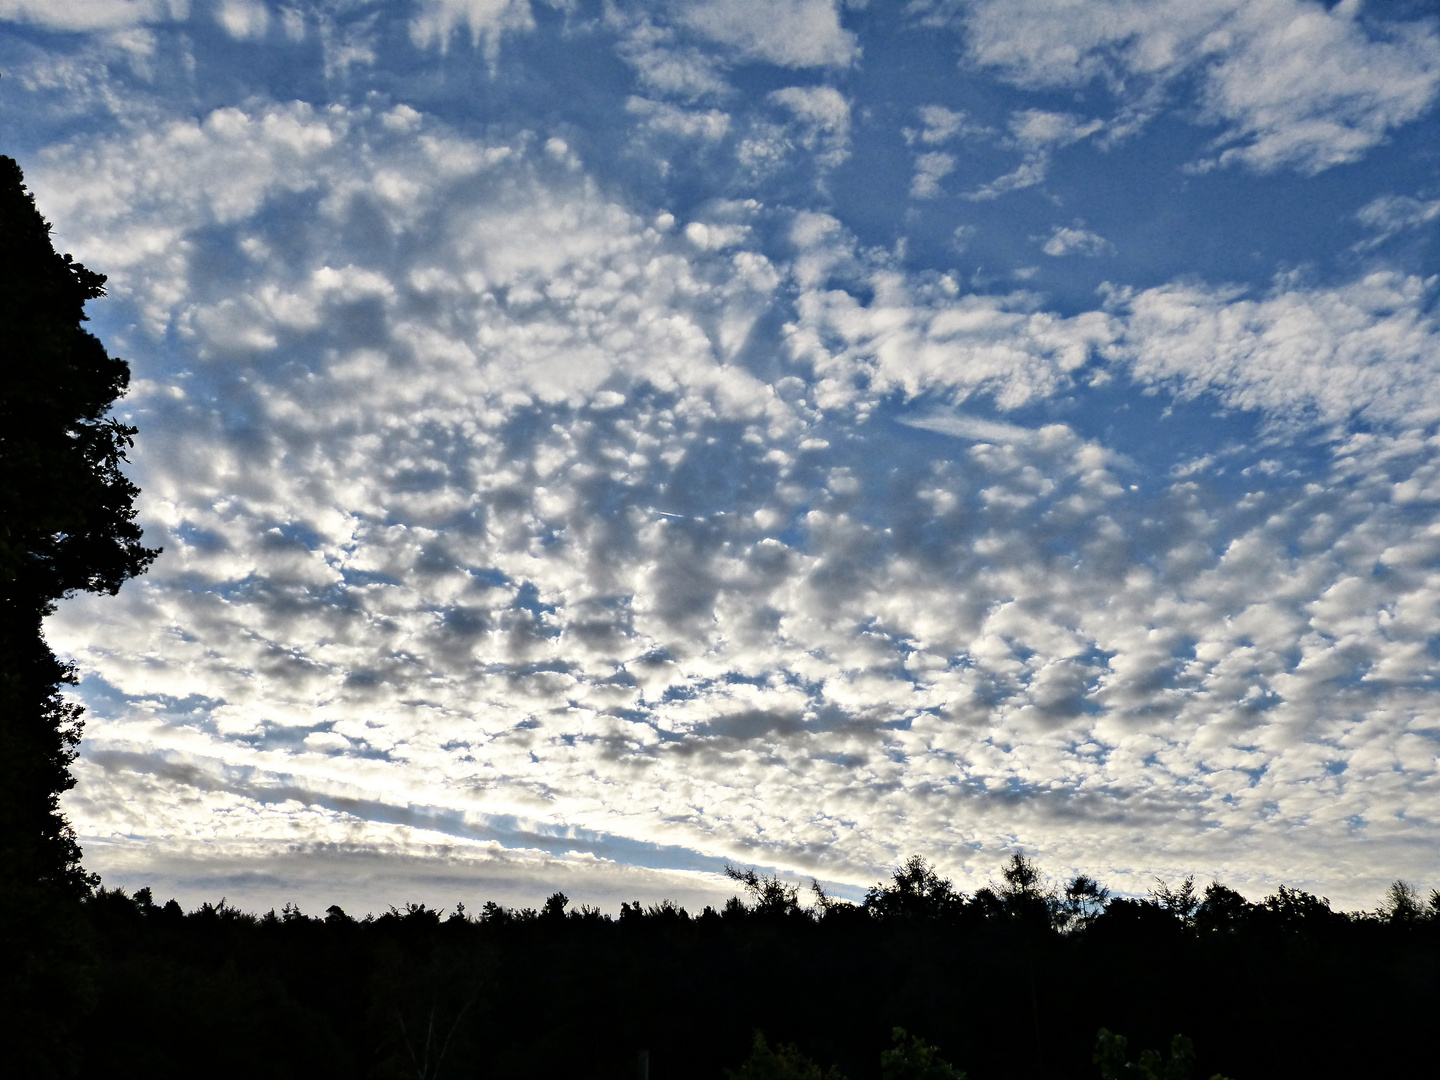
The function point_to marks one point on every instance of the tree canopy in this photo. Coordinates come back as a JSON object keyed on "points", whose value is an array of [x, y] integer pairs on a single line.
{"points": [[67, 525], [67, 513], [67, 517]]}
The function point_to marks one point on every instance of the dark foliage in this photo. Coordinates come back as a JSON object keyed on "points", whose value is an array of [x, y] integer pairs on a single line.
{"points": [[66, 525], [912, 1058], [1007, 983], [67, 522], [778, 1063], [1115, 1063]]}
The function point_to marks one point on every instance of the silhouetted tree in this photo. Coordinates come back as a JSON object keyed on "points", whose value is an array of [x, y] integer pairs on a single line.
{"points": [[555, 906], [1115, 1064], [771, 896], [66, 525], [1023, 895], [781, 1062], [1223, 910], [67, 521], [1403, 903], [825, 904], [916, 891], [912, 1058], [1297, 910], [1084, 902], [1179, 900]]}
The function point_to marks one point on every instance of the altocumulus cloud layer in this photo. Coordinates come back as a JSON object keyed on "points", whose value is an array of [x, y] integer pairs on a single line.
{"points": [[594, 442]]}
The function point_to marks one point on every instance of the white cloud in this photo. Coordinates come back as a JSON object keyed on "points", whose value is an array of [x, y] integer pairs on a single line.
{"points": [[823, 116], [973, 428], [1036, 133], [1293, 85], [1388, 215], [714, 237], [711, 125], [802, 126], [1391, 213], [1036, 129], [513, 528], [667, 68], [88, 15], [938, 125], [392, 583], [930, 169], [791, 33], [487, 21], [1370, 348], [243, 19], [924, 338], [292, 22], [262, 852], [1074, 240]]}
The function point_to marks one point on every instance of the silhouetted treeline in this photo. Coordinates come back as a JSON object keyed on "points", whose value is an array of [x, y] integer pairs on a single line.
{"points": [[1013, 981]]}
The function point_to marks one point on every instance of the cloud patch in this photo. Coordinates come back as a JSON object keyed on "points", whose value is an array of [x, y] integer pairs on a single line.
{"points": [[88, 15], [439, 20], [1075, 240], [601, 453], [790, 33], [1292, 84]]}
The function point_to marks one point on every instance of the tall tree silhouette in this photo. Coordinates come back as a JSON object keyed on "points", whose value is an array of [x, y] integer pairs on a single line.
{"points": [[67, 525]]}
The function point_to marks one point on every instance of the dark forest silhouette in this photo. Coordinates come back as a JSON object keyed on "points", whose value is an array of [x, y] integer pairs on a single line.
{"points": [[919, 982], [1015, 980]]}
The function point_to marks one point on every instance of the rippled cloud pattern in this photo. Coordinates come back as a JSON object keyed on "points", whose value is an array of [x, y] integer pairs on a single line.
{"points": [[595, 442]]}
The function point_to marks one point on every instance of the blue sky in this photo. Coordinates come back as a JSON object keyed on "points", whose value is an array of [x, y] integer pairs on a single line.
{"points": [[594, 442]]}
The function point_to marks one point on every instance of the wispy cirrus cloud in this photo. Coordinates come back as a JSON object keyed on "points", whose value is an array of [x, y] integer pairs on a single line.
{"points": [[1390, 215]]}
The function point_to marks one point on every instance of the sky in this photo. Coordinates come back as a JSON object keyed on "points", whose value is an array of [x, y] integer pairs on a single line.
{"points": [[594, 443]]}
